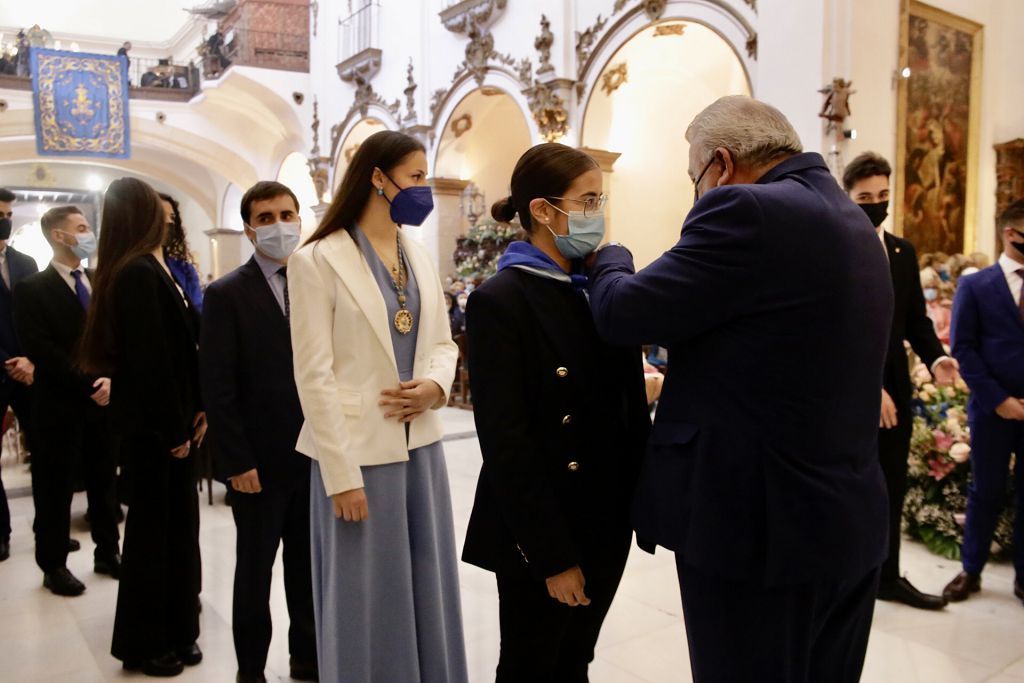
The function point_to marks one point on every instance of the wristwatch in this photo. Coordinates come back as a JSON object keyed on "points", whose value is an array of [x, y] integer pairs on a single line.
{"points": [[614, 244]]}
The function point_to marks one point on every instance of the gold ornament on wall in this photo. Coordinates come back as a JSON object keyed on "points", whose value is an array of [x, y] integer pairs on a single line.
{"points": [[613, 79], [41, 176], [462, 125], [669, 30]]}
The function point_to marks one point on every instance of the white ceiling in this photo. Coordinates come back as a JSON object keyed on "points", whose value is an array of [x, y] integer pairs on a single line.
{"points": [[137, 20]]}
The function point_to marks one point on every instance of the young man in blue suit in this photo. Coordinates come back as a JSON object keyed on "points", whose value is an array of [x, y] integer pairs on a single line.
{"points": [[248, 384], [762, 472], [988, 340]]}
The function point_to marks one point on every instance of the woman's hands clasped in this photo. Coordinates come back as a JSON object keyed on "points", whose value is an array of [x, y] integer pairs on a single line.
{"points": [[411, 399], [351, 505]]}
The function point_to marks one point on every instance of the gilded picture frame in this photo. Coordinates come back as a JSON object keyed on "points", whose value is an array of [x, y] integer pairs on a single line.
{"points": [[938, 129]]}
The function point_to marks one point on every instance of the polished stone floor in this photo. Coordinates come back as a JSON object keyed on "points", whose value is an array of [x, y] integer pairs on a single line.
{"points": [[47, 638]]}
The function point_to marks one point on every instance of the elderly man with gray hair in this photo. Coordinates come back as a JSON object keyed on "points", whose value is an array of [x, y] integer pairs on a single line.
{"points": [[762, 470]]}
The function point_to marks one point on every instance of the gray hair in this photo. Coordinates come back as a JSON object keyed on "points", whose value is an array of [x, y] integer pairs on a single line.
{"points": [[754, 132]]}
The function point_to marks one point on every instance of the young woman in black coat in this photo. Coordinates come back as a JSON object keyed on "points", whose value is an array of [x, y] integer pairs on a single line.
{"points": [[142, 332], [562, 421]]}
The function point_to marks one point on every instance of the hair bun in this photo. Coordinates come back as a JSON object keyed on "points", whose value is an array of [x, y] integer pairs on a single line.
{"points": [[503, 211]]}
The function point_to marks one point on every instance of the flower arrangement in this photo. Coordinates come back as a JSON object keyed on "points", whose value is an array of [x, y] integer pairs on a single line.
{"points": [[476, 254], [939, 469]]}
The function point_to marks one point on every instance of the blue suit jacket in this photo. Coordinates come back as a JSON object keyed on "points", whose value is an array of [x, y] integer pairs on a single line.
{"points": [[987, 337], [775, 306]]}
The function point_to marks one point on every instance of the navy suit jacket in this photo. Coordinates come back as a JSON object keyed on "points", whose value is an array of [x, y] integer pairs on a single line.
{"points": [[20, 266], [775, 306], [987, 337], [247, 380]]}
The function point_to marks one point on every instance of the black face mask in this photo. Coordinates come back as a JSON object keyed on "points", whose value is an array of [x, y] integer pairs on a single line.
{"points": [[876, 212], [1019, 246], [5, 228]]}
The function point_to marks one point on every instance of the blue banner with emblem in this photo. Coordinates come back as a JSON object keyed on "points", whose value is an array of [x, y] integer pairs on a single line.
{"points": [[81, 104]]}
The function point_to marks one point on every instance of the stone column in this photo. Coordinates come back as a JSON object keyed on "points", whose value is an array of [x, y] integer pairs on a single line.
{"points": [[606, 160], [451, 223], [228, 250]]}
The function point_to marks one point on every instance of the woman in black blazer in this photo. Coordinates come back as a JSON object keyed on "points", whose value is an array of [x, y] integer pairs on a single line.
{"points": [[562, 421], [142, 330]]}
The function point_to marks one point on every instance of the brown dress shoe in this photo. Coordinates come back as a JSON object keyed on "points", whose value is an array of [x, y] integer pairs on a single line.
{"points": [[960, 588]]}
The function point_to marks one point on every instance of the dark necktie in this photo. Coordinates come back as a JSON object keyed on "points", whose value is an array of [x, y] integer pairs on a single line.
{"points": [[80, 289], [1020, 301], [283, 272]]}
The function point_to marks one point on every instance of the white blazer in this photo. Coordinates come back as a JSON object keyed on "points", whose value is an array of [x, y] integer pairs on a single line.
{"points": [[344, 358]]}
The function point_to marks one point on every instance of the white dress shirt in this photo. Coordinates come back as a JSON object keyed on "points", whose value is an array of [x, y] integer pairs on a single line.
{"points": [[65, 274], [1013, 279]]}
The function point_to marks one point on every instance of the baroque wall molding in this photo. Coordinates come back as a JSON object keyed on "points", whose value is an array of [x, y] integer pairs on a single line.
{"points": [[542, 44], [461, 18]]}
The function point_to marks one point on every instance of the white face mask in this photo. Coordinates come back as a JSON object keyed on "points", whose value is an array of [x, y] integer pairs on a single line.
{"points": [[277, 240]]}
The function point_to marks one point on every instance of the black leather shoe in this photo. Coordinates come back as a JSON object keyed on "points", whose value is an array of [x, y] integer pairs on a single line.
{"points": [[73, 546], [62, 582], [159, 667], [111, 566], [303, 671], [191, 655], [249, 678], [1018, 590], [5, 550], [961, 587], [903, 591]]}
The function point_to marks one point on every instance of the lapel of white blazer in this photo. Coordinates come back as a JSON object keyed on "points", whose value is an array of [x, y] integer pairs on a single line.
{"points": [[344, 256], [424, 272]]}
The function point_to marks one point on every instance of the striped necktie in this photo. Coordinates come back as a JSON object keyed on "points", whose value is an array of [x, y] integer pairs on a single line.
{"points": [[283, 272]]}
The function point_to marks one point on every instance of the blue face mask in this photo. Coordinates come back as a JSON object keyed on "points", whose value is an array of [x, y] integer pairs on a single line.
{"points": [[278, 240], [585, 234], [86, 246], [411, 205]]}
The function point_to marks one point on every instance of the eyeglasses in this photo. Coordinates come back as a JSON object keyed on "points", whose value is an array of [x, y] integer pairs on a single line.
{"points": [[591, 205]]}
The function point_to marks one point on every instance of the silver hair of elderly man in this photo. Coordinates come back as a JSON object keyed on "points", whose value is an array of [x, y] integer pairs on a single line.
{"points": [[753, 131]]}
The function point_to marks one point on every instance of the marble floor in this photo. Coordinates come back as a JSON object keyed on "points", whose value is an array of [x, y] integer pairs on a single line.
{"points": [[47, 638]]}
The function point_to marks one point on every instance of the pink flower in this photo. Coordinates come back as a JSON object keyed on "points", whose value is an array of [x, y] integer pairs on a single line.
{"points": [[960, 452], [943, 441]]}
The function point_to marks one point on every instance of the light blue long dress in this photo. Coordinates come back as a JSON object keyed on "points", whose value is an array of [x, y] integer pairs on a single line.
{"points": [[386, 590]]}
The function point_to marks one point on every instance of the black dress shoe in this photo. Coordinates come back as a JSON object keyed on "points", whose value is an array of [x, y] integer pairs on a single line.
{"points": [[303, 671], [5, 550], [73, 546], [159, 667], [961, 587], [191, 655], [250, 678], [901, 590], [62, 582], [111, 566]]}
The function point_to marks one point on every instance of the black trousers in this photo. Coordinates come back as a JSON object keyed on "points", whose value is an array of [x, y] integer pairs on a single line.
{"points": [[893, 449], [810, 633], [18, 399], [59, 444], [543, 640], [157, 600], [264, 521]]}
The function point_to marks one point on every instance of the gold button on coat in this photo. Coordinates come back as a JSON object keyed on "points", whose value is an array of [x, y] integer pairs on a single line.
{"points": [[567, 419], [574, 466], [562, 372]]}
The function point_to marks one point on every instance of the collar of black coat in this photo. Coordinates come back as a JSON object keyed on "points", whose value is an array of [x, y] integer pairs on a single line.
{"points": [[797, 162]]}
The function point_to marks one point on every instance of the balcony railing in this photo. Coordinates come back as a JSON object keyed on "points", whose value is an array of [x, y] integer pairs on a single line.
{"points": [[179, 84], [360, 31], [268, 49]]}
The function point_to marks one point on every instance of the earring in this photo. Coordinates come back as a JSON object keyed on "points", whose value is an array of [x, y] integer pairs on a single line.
{"points": [[380, 191]]}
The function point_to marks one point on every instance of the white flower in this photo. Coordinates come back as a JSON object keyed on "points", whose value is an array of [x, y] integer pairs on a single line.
{"points": [[960, 452]]}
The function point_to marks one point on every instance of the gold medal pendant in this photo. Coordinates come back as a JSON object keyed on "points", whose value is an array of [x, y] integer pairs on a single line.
{"points": [[403, 321]]}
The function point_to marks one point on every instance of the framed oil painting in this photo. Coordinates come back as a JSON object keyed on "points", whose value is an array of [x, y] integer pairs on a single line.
{"points": [[938, 119]]}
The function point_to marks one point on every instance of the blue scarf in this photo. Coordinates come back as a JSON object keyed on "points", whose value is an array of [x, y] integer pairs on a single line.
{"points": [[525, 256]]}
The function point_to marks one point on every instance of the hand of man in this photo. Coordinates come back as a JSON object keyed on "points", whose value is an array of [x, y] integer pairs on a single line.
{"points": [[888, 419], [181, 452], [351, 505], [946, 372], [567, 587], [199, 424], [101, 396], [1011, 409], [247, 482], [21, 369], [411, 399]]}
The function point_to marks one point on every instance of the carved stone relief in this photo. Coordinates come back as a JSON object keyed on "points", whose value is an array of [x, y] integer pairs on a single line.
{"points": [[542, 44], [614, 77]]}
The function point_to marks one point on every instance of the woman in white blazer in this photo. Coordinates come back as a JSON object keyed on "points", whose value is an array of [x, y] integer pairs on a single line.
{"points": [[374, 360]]}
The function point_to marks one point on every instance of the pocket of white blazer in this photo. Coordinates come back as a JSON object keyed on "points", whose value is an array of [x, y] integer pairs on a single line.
{"points": [[352, 403]]}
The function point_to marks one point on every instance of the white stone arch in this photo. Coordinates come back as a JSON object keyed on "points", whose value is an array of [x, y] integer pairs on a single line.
{"points": [[374, 111], [495, 77], [733, 24]]}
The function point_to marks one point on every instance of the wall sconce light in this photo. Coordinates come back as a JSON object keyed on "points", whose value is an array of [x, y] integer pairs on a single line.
{"points": [[850, 133]]}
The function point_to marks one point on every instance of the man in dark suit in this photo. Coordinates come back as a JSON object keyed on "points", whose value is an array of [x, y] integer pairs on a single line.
{"points": [[19, 371], [254, 413], [762, 471], [988, 340], [866, 181], [69, 408]]}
